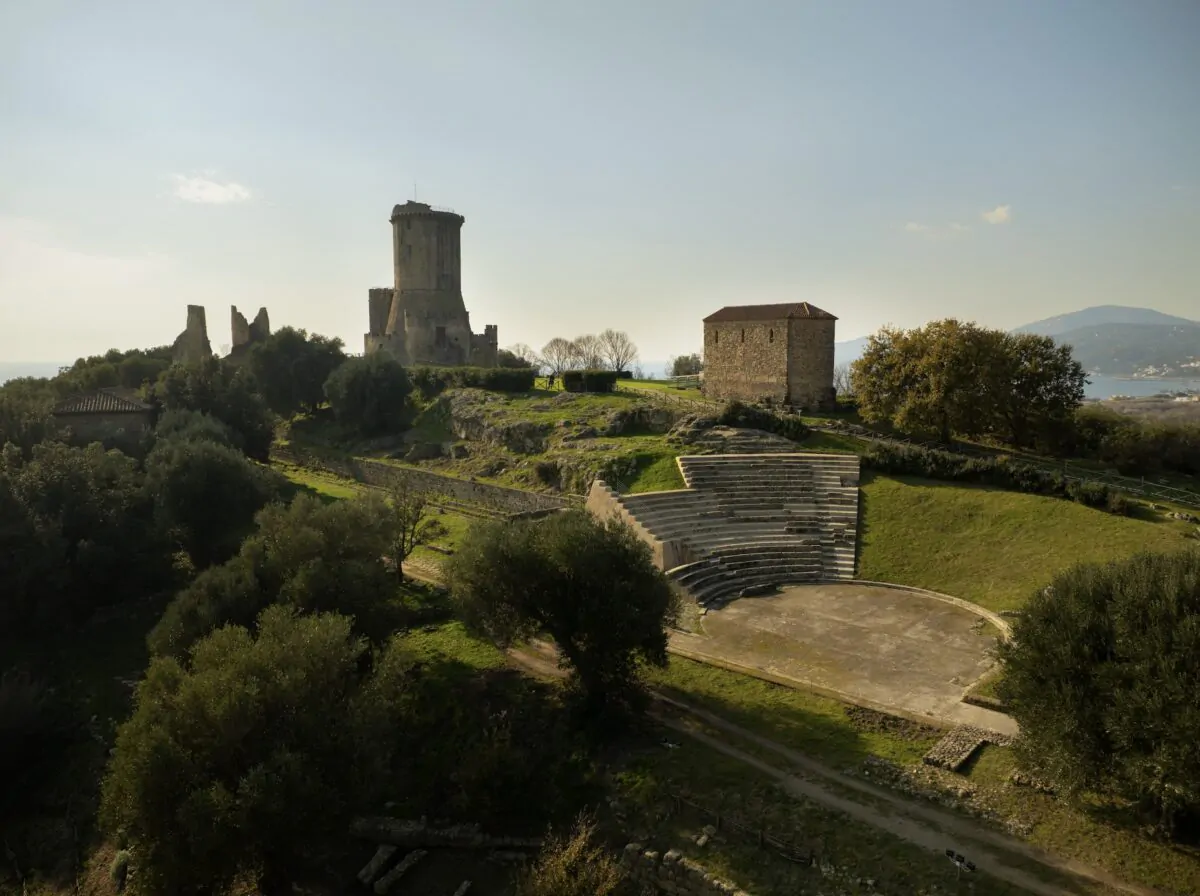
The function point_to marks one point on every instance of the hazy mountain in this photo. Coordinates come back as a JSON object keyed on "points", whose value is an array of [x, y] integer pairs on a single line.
{"points": [[849, 351], [1118, 341], [1123, 349], [11, 370], [1102, 315]]}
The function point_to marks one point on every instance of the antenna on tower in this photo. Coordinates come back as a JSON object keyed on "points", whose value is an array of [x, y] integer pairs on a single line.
{"points": [[414, 191]]}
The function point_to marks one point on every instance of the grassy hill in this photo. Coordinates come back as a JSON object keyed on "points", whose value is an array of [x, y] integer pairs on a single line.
{"points": [[991, 547]]}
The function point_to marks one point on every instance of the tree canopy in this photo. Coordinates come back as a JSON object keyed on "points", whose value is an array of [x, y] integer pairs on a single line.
{"points": [[217, 774], [589, 585], [291, 368], [951, 378], [1101, 674], [372, 394], [223, 391]]}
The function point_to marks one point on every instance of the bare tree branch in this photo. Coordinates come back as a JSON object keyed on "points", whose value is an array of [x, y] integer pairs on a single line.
{"points": [[618, 349]]}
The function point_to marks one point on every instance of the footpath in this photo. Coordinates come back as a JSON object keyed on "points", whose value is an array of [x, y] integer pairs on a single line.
{"points": [[925, 825]]}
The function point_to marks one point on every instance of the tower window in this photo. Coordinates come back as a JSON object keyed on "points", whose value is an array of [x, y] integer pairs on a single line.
{"points": [[743, 335], [770, 335], [439, 337], [716, 337]]}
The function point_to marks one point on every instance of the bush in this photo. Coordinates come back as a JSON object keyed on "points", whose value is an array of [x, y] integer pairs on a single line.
{"points": [[1100, 674], [431, 381], [1000, 472], [1135, 447], [575, 865], [589, 380], [749, 416]]}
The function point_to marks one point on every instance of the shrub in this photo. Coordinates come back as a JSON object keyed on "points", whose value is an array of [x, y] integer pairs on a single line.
{"points": [[118, 870], [575, 865], [749, 416], [431, 381], [589, 380], [1000, 472]]}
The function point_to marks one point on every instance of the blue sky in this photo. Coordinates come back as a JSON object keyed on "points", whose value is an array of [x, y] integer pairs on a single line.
{"points": [[625, 164]]}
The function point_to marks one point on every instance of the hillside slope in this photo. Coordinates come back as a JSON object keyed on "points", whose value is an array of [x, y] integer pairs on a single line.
{"points": [[992, 547]]}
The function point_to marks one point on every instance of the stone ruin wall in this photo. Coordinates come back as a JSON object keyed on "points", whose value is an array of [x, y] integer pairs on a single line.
{"points": [[810, 362], [673, 874], [245, 333], [747, 360], [192, 345]]}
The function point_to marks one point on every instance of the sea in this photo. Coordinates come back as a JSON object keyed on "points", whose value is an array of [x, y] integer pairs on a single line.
{"points": [[1102, 387]]}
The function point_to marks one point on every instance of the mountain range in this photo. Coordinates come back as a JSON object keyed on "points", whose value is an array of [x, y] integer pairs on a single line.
{"points": [[1112, 340]]}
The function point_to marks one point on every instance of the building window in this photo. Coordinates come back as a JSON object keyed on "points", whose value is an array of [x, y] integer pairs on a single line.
{"points": [[770, 335], [743, 335], [439, 337], [716, 337]]}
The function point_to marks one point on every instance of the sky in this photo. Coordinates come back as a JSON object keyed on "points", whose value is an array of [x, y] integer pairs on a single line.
{"points": [[634, 164]]}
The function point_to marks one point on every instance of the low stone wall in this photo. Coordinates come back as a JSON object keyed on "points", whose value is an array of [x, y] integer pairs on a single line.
{"points": [[603, 502], [674, 874], [384, 475]]}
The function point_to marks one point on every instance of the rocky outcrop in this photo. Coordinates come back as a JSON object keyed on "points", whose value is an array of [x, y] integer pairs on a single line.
{"points": [[469, 419], [192, 345]]}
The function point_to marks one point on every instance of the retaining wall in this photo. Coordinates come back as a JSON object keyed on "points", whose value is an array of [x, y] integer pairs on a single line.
{"points": [[603, 502], [384, 475]]}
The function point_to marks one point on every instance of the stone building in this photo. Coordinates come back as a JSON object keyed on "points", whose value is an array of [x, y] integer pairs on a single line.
{"points": [[421, 318], [104, 414], [780, 353]]}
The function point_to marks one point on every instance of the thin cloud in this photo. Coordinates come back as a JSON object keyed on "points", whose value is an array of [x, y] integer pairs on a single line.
{"points": [[1001, 214], [207, 191], [936, 233]]}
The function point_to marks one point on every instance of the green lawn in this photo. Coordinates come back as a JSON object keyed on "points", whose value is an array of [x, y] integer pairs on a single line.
{"points": [[662, 386], [818, 726], [992, 547]]}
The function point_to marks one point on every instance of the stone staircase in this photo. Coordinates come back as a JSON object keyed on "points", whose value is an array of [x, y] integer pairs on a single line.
{"points": [[754, 520]]}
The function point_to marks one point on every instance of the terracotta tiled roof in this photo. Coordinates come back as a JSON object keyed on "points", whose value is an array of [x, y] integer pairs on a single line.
{"points": [[102, 401], [769, 312]]}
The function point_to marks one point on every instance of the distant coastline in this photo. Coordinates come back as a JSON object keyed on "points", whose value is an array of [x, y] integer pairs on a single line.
{"points": [[1102, 387]]}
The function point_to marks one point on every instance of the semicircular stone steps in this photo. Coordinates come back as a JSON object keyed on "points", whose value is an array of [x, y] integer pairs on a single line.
{"points": [[757, 519]]}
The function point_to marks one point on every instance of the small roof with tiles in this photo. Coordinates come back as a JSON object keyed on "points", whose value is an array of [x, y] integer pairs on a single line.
{"points": [[786, 311], [103, 401]]}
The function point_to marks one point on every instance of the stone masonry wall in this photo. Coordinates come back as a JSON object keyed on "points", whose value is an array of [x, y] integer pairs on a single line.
{"points": [[603, 503], [810, 362], [746, 360], [384, 475], [672, 873]]}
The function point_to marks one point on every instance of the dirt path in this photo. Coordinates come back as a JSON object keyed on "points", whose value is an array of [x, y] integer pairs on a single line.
{"points": [[918, 823]]}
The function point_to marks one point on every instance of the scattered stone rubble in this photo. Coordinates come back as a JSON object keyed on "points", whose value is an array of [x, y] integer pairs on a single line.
{"points": [[959, 744], [672, 873]]}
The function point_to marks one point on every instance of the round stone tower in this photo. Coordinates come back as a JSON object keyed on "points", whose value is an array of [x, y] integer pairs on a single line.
{"points": [[422, 319], [428, 316]]}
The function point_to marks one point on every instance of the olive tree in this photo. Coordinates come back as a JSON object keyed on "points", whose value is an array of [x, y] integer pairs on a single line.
{"points": [[590, 585], [1101, 674]]}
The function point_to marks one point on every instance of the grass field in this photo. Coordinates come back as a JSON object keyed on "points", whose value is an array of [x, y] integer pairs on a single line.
{"points": [[991, 547]]}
